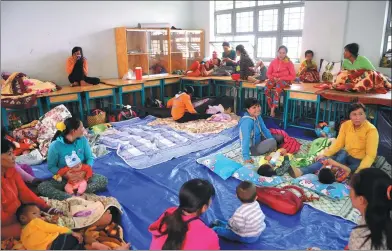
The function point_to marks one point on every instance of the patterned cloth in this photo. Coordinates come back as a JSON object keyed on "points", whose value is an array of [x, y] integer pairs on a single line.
{"points": [[47, 126], [308, 72], [362, 81], [198, 126], [142, 146]]}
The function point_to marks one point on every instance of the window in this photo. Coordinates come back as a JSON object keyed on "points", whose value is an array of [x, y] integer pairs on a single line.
{"points": [[244, 21], [223, 23], [242, 4], [293, 45], [156, 46], [268, 24], [388, 32], [246, 41], [268, 20], [293, 18], [267, 47]]}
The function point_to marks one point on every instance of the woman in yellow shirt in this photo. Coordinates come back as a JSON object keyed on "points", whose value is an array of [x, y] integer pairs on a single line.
{"points": [[359, 139]]}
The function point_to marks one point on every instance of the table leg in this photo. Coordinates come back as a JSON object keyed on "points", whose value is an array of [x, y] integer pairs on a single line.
{"points": [[286, 110], [4, 117]]}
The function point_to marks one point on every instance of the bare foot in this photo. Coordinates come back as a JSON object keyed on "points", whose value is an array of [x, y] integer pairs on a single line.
{"points": [[123, 247], [257, 82], [295, 172], [74, 84], [83, 83]]}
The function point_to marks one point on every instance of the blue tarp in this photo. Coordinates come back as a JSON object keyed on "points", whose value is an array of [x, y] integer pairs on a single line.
{"points": [[145, 194]]}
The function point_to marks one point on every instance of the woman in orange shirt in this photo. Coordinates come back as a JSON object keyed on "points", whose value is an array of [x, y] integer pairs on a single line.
{"points": [[182, 107], [77, 69]]}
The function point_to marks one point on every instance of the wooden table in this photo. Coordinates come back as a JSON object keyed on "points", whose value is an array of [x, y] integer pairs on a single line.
{"points": [[67, 94], [300, 92], [199, 82], [99, 91], [127, 86]]}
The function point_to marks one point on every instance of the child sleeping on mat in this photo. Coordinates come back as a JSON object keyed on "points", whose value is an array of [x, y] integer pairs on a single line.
{"points": [[332, 171], [277, 163], [77, 174]]}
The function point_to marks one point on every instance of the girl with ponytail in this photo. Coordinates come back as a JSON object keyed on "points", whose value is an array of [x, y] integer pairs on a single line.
{"points": [[180, 228], [371, 194]]}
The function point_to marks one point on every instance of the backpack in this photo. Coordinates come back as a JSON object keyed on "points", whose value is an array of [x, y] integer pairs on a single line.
{"points": [[283, 200]]}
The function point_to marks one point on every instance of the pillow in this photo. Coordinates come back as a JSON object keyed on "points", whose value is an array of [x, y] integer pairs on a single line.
{"points": [[221, 165], [247, 173], [335, 191], [329, 70]]}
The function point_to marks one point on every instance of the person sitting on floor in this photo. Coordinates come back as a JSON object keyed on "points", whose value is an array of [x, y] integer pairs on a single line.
{"points": [[308, 70], [359, 139], [77, 69], [371, 194], [37, 234], [269, 166], [280, 74], [245, 65], [332, 171], [255, 138], [182, 109], [247, 222], [69, 138], [14, 192], [180, 228]]}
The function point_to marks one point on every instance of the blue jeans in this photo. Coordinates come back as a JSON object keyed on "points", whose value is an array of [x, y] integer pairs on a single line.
{"points": [[224, 231], [342, 157]]}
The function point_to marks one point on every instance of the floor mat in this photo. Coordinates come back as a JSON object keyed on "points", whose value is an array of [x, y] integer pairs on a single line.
{"points": [[198, 126]]}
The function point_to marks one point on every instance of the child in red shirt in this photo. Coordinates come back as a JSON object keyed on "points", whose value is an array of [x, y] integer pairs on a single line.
{"points": [[77, 173]]}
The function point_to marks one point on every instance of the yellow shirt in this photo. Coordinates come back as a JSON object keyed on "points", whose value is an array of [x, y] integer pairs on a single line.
{"points": [[360, 143], [39, 235]]}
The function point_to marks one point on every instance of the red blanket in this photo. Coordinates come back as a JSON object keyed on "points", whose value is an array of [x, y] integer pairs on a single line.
{"points": [[290, 144]]}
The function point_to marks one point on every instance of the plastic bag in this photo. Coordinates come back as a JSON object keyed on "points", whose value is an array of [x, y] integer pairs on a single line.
{"points": [[129, 75]]}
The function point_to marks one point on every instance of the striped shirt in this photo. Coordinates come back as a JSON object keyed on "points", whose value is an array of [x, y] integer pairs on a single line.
{"points": [[248, 220]]}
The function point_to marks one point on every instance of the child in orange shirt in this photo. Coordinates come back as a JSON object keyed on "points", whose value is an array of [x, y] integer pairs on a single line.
{"points": [[77, 173]]}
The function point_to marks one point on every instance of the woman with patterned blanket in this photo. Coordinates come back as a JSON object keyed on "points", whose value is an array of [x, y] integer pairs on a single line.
{"points": [[20, 92], [359, 74]]}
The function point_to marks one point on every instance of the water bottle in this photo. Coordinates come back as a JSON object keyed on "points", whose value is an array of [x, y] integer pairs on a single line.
{"points": [[275, 158]]}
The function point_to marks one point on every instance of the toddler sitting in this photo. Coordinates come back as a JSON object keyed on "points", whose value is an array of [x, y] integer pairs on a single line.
{"points": [[247, 223], [269, 165], [38, 234], [332, 171], [77, 173]]}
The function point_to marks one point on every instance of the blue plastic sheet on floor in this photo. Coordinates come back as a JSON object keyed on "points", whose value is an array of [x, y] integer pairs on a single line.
{"points": [[145, 194]]}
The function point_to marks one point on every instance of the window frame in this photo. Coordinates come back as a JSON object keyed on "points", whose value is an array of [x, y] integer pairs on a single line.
{"points": [[388, 28], [279, 33]]}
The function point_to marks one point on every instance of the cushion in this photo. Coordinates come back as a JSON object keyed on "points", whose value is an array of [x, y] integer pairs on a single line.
{"points": [[247, 173], [221, 165], [329, 70], [335, 191]]}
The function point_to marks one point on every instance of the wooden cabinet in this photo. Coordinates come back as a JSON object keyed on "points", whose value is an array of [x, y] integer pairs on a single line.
{"points": [[151, 49]]}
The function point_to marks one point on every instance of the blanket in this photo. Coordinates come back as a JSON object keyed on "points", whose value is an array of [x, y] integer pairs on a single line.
{"points": [[198, 126], [142, 146], [20, 92]]}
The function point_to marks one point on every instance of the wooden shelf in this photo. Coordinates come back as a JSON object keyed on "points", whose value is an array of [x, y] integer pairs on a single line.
{"points": [[143, 40]]}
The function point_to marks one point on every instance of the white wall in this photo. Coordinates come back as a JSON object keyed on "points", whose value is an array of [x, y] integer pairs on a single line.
{"points": [[37, 37]]}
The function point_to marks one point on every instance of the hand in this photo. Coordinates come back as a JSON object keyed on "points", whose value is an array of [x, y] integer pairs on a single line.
{"points": [[320, 157], [268, 158], [54, 211], [249, 161], [224, 59], [78, 236]]}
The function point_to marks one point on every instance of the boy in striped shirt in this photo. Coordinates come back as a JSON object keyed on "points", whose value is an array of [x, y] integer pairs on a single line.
{"points": [[247, 223]]}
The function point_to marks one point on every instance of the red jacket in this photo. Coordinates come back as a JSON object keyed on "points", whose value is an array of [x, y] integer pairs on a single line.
{"points": [[14, 192], [282, 69]]}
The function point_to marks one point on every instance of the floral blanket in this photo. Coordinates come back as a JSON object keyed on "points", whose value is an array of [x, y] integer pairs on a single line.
{"points": [[47, 126], [198, 126], [20, 92]]}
